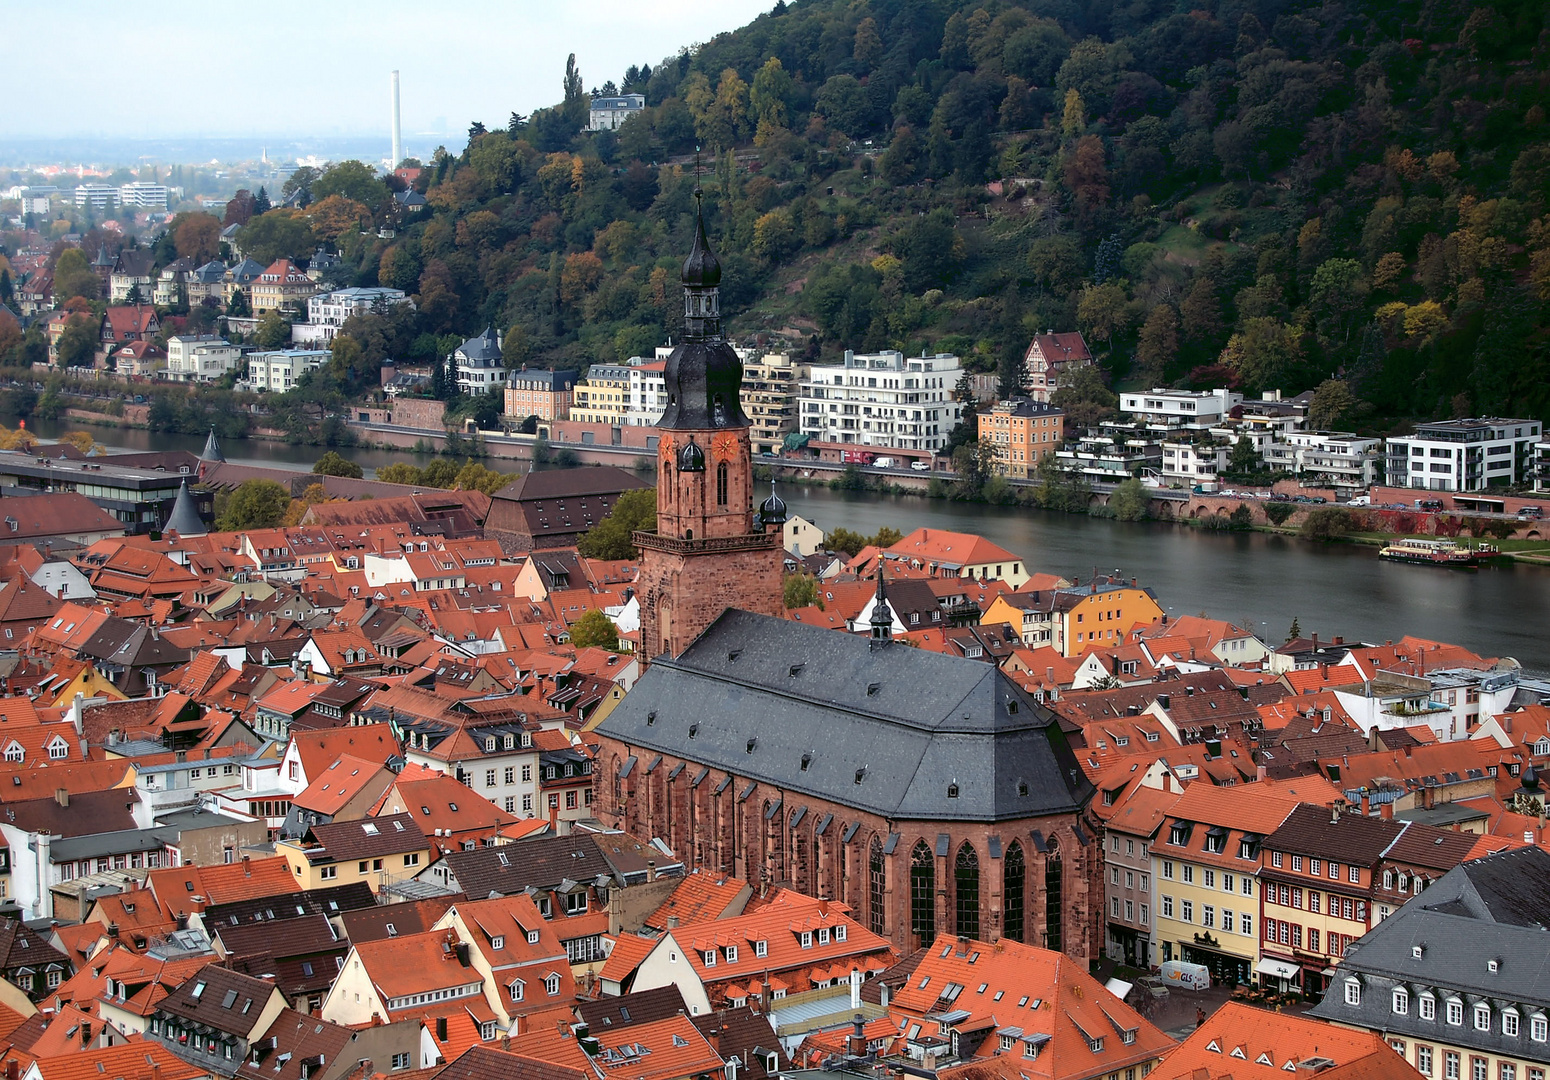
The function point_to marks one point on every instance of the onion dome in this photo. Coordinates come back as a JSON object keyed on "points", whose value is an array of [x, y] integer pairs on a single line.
{"points": [[691, 458], [1530, 778], [772, 511], [701, 270]]}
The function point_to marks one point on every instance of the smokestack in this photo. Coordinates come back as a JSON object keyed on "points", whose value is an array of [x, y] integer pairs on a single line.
{"points": [[398, 131]]}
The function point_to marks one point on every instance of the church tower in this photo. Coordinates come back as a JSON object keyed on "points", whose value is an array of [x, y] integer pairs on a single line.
{"points": [[710, 551]]}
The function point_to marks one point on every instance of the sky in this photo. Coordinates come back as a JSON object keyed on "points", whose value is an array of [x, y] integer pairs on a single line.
{"points": [[216, 68]]}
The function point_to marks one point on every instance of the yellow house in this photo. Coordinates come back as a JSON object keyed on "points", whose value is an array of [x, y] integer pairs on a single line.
{"points": [[1032, 614], [86, 680], [379, 851], [1100, 613], [945, 554], [1206, 862]]}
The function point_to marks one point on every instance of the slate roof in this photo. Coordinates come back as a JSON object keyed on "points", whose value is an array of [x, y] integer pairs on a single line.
{"points": [[642, 1007], [345, 841], [1496, 908], [330, 901], [899, 732], [219, 998], [568, 483], [483, 347]]}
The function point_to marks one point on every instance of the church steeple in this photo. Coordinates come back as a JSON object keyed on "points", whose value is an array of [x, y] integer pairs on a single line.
{"points": [[882, 614], [710, 550]]}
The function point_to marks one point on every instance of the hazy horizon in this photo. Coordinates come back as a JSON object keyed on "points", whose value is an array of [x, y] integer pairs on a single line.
{"points": [[318, 72]]}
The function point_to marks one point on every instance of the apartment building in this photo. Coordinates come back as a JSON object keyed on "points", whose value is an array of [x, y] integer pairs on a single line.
{"points": [[1207, 858], [648, 393], [882, 400], [1186, 462], [1130, 832], [328, 310], [278, 371], [1327, 878], [1464, 455], [1022, 432], [603, 397], [771, 387], [1340, 459], [200, 358], [282, 285], [545, 394]]}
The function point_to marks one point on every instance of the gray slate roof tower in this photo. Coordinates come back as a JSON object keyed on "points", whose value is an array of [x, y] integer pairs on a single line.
{"points": [[212, 450], [184, 519]]}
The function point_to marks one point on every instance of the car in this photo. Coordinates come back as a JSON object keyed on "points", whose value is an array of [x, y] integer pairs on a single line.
{"points": [[1531, 511], [920, 466]]}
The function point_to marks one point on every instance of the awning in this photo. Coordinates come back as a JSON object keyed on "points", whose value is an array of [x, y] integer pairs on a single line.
{"points": [[1276, 969]]}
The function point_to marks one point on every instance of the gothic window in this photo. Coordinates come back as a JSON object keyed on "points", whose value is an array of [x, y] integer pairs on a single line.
{"points": [[1013, 876], [721, 484], [923, 894], [966, 892], [1052, 899], [877, 880]]}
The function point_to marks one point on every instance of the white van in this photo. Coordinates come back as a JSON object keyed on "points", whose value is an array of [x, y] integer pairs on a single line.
{"points": [[921, 466], [1176, 973]]}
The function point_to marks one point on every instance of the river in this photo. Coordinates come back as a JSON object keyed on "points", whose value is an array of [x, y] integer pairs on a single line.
{"points": [[1257, 580]]}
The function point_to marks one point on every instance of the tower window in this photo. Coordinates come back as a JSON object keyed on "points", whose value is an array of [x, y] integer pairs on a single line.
{"points": [[721, 484]]}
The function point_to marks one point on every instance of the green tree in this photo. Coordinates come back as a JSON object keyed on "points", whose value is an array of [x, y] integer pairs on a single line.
{"points": [[78, 343], [256, 504], [279, 234], [610, 538], [273, 331], [1331, 401], [352, 180], [1278, 512], [1244, 463], [1158, 344], [1326, 523], [1241, 518], [1085, 398], [1295, 631], [1265, 353], [800, 590], [331, 464], [1130, 501], [594, 630], [400, 472], [73, 276], [574, 104], [770, 96]]}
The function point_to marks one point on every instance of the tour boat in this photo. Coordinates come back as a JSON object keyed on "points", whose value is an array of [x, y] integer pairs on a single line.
{"points": [[1425, 552]]}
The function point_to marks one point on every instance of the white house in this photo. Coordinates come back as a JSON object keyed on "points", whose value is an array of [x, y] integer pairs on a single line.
{"points": [[607, 113], [327, 312], [200, 358], [479, 364], [801, 537], [1192, 409], [1189, 462], [279, 371], [1339, 458]]}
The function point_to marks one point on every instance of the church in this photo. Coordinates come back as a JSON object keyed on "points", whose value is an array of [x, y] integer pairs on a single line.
{"points": [[927, 792]]}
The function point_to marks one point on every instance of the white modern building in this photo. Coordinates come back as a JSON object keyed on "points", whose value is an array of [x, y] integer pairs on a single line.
{"points": [[1338, 458], [327, 312], [1187, 462], [1464, 455], [202, 358], [1542, 468], [1194, 409], [884, 400], [480, 366], [608, 113], [279, 371], [648, 393], [96, 196], [146, 195]]}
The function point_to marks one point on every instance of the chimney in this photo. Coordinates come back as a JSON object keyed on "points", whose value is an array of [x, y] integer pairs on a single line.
{"points": [[857, 1040], [1315, 641], [651, 869], [464, 953], [1259, 772], [441, 1029], [247, 866], [62, 796]]}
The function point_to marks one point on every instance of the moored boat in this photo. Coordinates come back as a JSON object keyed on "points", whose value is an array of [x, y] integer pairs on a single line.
{"points": [[1422, 551]]}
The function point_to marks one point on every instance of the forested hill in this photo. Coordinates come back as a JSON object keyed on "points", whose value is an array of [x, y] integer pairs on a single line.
{"points": [[1262, 194]]}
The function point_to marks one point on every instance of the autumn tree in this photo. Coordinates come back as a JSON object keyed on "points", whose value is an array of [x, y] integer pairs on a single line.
{"points": [[1158, 344], [197, 237], [255, 504], [332, 464], [610, 538], [73, 276]]}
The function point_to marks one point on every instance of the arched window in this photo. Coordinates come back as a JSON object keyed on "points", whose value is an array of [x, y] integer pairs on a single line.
{"points": [[1013, 875], [966, 892], [721, 484], [877, 880], [923, 894], [1052, 898]]}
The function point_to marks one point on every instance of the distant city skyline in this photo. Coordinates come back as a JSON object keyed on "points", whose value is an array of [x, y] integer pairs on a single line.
{"points": [[307, 69]]}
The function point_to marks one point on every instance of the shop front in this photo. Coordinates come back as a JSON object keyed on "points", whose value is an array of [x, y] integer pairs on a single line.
{"points": [[1127, 946], [1279, 975], [1227, 969]]}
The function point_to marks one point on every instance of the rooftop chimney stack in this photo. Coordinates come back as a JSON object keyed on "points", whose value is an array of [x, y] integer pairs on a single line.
{"points": [[398, 131]]}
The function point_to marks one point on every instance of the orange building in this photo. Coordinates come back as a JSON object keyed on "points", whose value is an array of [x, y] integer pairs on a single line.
{"points": [[1022, 433]]}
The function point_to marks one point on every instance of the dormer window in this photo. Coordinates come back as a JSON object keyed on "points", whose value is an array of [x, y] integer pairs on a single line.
{"points": [[807, 939], [761, 948]]}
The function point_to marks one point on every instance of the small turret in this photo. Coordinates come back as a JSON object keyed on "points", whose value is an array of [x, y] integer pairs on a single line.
{"points": [[212, 450], [882, 614], [184, 519], [772, 511]]}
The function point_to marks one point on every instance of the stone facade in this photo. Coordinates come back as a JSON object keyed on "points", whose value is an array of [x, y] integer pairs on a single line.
{"points": [[727, 824]]}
